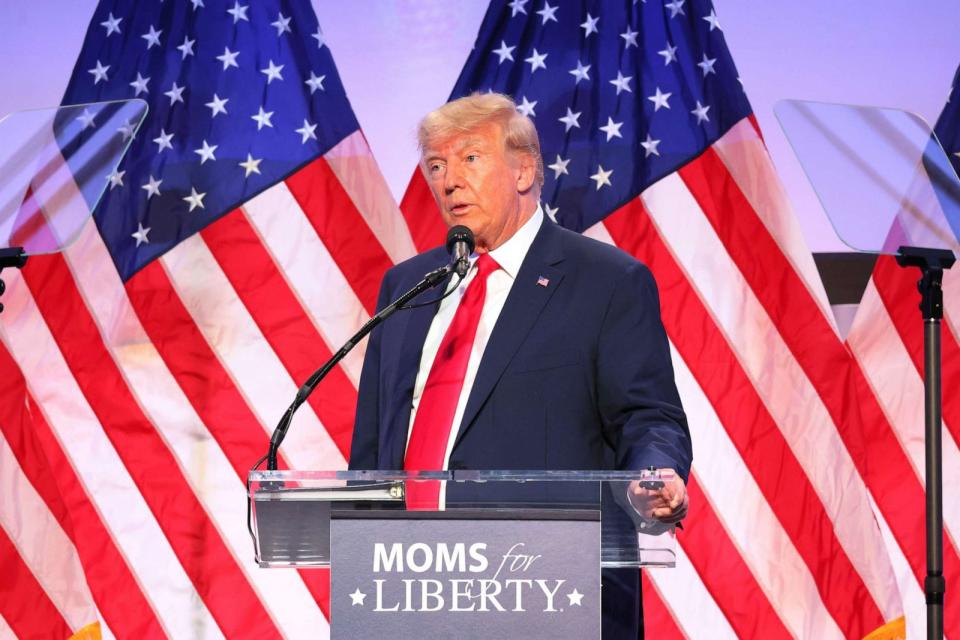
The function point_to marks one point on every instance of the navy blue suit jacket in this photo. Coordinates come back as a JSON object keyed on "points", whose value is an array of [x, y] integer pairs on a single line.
{"points": [[576, 374]]}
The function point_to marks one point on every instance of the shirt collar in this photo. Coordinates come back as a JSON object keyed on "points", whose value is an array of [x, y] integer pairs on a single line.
{"points": [[511, 253]]}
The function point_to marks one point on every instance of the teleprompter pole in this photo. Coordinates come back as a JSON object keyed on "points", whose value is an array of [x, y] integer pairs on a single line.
{"points": [[932, 263]]}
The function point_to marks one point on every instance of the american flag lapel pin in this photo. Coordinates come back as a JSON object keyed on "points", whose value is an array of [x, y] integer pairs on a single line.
{"points": [[543, 281]]}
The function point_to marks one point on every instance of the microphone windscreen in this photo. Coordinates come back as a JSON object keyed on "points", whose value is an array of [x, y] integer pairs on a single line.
{"points": [[460, 233]]}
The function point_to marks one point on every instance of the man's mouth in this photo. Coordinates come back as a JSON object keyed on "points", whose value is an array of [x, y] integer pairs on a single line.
{"points": [[459, 209]]}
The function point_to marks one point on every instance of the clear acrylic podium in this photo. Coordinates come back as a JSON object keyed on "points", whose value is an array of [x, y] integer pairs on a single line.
{"points": [[290, 512]]}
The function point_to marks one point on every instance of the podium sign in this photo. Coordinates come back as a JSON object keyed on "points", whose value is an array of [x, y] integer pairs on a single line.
{"points": [[456, 576]]}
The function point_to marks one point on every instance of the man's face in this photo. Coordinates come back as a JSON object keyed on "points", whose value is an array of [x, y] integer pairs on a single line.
{"points": [[478, 183]]}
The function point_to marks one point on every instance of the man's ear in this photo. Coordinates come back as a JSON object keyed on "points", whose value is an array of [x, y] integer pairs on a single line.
{"points": [[527, 173]]}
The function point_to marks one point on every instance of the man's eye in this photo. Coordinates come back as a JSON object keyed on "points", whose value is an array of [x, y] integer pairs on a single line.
{"points": [[472, 157], [435, 167]]}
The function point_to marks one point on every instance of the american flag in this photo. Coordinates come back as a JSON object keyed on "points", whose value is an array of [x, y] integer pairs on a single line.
{"points": [[144, 369], [240, 242]]}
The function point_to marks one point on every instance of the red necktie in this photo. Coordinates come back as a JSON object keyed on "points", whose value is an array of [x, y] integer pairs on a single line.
{"points": [[438, 404]]}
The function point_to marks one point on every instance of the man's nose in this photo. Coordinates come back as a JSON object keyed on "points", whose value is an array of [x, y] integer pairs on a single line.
{"points": [[452, 178]]}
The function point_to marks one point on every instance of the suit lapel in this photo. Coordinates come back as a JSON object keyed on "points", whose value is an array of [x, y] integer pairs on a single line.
{"points": [[523, 306], [411, 350]]}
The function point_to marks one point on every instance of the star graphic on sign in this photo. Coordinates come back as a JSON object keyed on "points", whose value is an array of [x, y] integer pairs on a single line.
{"points": [[612, 129], [622, 83], [217, 105], [251, 166], [111, 24], [281, 24], [263, 119], [580, 73], [239, 12], [518, 6], [701, 113], [576, 598], [357, 597], [676, 8], [229, 58], [571, 119], [194, 199], [650, 147], [526, 107], [505, 52], [629, 37], [152, 187], [602, 177], [706, 65], [186, 49], [152, 37], [659, 99], [551, 213], [206, 152], [307, 131], [559, 167], [590, 25], [126, 130], [536, 60], [141, 234], [175, 94], [315, 82], [140, 84], [272, 72], [712, 19], [99, 73], [548, 13], [116, 179], [163, 141], [86, 119], [318, 36], [669, 55]]}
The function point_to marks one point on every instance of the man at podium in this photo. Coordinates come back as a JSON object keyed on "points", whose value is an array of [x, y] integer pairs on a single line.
{"points": [[549, 355]]}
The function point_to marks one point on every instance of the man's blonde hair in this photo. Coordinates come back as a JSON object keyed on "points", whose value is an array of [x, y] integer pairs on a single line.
{"points": [[477, 110]]}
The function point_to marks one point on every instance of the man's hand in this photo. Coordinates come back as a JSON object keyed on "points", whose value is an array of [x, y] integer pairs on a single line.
{"points": [[667, 504]]}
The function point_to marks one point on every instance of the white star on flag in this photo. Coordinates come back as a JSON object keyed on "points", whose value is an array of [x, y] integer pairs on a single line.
{"points": [[307, 131], [590, 25], [650, 147], [86, 118], [712, 19], [229, 58], [272, 72], [197, 4], [175, 94], [163, 141], [195, 199], [263, 119], [551, 213], [548, 13], [559, 167], [659, 99], [676, 7], [706, 65], [504, 52], [140, 84], [206, 152], [669, 55], [281, 24], [116, 179], [526, 107], [518, 6], [217, 105], [152, 37], [186, 49], [111, 24], [629, 37], [152, 187], [315, 82], [318, 36], [612, 129], [571, 119], [126, 130], [581, 72], [701, 113], [536, 60], [99, 73], [251, 165], [239, 12], [622, 83], [140, 235], [602, 177]]}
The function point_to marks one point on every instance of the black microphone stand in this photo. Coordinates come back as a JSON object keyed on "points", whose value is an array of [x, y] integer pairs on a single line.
{"points": [[429, 281], [10, 257], [931, 263]]}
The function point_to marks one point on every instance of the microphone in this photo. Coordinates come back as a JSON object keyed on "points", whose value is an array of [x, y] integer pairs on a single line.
{"points": [[460, 245]]}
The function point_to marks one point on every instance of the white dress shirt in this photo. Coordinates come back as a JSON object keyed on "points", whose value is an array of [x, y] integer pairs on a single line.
{"points": [[509, 256]]}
